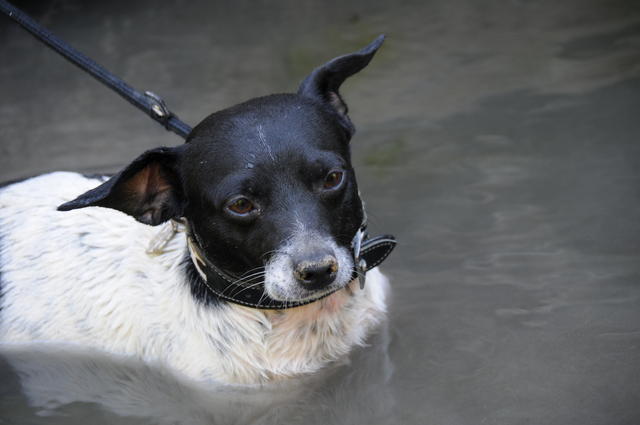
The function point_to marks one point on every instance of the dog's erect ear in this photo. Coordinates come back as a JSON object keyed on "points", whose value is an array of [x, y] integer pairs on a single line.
{"points": [[323, 83], [148, 189]]}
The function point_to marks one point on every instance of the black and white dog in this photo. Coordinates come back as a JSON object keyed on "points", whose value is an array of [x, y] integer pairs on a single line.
{"points": [[262, 285]]}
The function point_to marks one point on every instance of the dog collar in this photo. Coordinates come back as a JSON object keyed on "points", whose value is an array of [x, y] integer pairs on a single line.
{"points": [[245, 290]]}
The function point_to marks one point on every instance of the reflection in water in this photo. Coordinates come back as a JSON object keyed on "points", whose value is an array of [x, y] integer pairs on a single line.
{"points": [[53, 379]]}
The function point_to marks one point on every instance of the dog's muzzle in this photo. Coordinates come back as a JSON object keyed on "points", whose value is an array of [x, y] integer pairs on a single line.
{"points": [[367, 253]]}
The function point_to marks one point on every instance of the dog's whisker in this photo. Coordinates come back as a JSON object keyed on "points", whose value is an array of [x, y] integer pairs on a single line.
{"points": [[274, 251], [250, 276], [264, 293], [255, 268], [239, 284], [235, 294], [259, 268]]}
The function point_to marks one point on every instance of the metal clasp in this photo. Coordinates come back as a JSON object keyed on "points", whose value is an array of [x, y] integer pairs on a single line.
{"points": [[360, 264], [362, 272], [158, 107]]}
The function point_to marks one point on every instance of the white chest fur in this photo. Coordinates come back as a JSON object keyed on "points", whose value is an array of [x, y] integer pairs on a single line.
{"points": [[84, 277]]}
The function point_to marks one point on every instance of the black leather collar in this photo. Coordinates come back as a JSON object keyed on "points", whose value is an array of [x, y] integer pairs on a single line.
{"points": [[367, 254]]}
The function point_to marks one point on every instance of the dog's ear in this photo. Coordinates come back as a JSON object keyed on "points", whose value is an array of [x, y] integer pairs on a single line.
{"points": [[323, 83], [149, 189]]}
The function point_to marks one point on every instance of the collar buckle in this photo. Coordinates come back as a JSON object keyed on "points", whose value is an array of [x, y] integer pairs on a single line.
{"points": [[360, 264], [362, 272]]}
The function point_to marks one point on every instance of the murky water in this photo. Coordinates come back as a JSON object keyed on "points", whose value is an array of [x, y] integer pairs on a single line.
{"points": [[499, 141]]}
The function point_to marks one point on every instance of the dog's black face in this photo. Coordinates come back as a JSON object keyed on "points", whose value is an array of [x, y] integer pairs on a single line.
{"points": [[270, 183], [267, 186]]}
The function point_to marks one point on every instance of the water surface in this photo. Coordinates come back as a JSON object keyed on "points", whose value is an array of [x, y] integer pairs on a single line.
{"points": [[499, 141]]}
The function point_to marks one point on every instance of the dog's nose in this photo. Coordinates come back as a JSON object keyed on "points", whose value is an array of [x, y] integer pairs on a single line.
{"points": [[316, 273]]}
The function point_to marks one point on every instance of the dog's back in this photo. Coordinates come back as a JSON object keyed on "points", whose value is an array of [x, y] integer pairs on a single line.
{"points": [[75, 276]]}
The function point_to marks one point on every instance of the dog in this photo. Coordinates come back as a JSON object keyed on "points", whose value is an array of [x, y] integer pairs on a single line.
{"points": [[255, 275]]}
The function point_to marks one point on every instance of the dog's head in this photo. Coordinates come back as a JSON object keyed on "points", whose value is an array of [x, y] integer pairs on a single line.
{"points": [[267, 186]]}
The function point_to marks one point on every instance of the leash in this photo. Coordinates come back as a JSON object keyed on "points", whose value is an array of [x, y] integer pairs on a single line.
{"points": [[148, 102]]}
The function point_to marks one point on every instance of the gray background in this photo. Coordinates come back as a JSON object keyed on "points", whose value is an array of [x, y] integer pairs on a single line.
{"points": [[498, 140]]}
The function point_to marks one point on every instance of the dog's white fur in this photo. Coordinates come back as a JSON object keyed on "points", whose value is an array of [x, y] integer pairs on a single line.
{"points": [[84, 277]]}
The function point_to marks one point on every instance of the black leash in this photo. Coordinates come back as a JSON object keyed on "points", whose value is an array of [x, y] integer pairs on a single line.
{"points": [[148, 102]]}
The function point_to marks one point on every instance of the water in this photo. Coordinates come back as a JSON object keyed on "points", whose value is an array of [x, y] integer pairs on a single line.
{"points": [[499, 141]]}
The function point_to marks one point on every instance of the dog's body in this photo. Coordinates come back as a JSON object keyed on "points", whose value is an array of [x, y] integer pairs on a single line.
{"points": [[87, 280], [266, 186]]}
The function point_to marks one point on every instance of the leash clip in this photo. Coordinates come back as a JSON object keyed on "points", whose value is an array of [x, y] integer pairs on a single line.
{"points": [[159, 109]]}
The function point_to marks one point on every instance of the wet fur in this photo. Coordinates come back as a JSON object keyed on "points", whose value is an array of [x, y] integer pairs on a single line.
{"points": [[83, 277]]}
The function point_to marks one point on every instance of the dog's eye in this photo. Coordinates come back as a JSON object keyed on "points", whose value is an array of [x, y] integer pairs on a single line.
{"points": [[333, 180], [241, 206]]}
